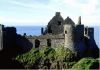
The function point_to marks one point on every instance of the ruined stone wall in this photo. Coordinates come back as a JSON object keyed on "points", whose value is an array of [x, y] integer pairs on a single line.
{"points": [[9, 37], [79, 38], [57, 42], [1, 37], [91, 33], [90, 36], [79, 33], [44, 41]]}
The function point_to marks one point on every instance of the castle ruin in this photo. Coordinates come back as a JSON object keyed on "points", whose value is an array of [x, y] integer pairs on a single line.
{"points": [[59, 32]]}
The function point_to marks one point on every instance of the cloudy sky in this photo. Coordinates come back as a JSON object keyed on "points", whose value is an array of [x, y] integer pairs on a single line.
{"points": [[39, 12]]}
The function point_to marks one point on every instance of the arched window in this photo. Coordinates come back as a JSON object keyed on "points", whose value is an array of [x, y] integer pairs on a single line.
{"points": [[59, 23], [48, 42], [65, 32], [37, 43], [49, 29]]}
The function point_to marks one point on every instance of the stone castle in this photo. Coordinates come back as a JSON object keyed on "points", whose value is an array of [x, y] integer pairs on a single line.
{"points": [[59, 32]]}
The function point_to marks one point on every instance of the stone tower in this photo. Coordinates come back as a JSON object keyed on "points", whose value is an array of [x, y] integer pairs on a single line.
{"points": [[55, 25], [79, 37], [69, 33], [1, 37]]}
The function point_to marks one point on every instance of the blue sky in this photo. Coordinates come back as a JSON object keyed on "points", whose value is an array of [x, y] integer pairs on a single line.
{"points": [[39, 12]]}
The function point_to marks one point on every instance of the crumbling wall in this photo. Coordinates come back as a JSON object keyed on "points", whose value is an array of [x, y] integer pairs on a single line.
{"points": [[53, 41], [1, 37], [57, 42]]}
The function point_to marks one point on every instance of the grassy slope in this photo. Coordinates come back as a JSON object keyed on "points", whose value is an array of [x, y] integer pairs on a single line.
{"points": [[54, 58], [86, 63]]}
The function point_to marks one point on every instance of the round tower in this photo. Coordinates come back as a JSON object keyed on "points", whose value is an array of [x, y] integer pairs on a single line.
{"points": [[69, 34]]}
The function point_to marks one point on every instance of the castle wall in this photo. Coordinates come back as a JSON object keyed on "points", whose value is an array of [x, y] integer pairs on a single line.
{"points": [[91, 33], [44, 41], [1, 37], [86, 32], [57, 42], [79, 38], [79, 33], [9, 37]]}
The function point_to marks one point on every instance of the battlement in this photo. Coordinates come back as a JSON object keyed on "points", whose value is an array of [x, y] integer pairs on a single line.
{"points": [[89, 32]]}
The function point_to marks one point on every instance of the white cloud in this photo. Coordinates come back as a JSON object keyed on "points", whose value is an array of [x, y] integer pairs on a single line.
{"points": [[89, 7], [73, 8]]}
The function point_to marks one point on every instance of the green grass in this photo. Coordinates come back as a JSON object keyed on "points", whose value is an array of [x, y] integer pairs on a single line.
{"points": [[86, 64]]}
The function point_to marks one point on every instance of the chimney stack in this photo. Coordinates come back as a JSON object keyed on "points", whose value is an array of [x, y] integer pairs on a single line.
{"points": [[79, 20]]}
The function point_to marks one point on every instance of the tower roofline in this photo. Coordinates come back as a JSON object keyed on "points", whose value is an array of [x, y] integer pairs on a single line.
{"points": [[57, 13], [69, 21]]}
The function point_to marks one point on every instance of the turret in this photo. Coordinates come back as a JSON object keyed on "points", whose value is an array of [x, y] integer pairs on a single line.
{"points": [[69, 34], [69, 21]]}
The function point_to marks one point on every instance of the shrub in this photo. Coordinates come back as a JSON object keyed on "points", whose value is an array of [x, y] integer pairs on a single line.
{"points": [[64, 54], [45, 56], [29, 58]]}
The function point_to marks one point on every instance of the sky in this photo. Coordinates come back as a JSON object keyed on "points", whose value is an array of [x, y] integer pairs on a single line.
{"points": [[39, 12]]}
